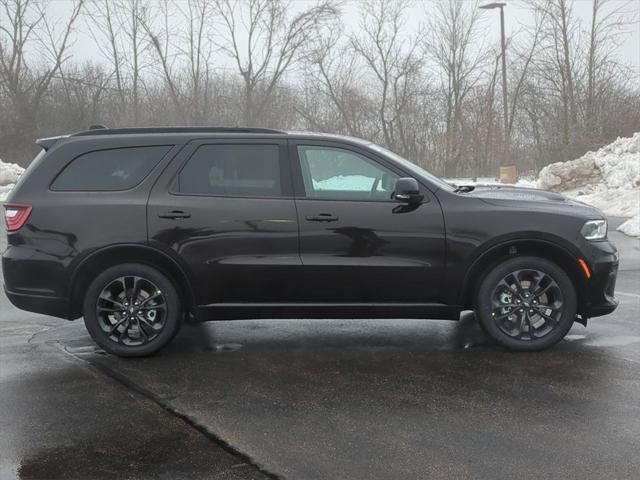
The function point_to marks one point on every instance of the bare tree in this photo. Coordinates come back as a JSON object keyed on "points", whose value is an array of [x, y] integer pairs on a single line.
{"points": [[525, 56], [157, 26], [454, 46], [334, 78], [26, 73], [394, 62], [264, 41], [198, 52], [557, 64], [28, 22], [429, 93], [117, 28], [605, 33]]}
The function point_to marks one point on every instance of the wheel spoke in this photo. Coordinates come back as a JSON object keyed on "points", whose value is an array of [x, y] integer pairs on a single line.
{"points": [[522, 319], [545, 316], [111, 300], [529, 325], [144, 320], [517, 283], [555, 308], [503, 283], [115, 326], [149, 298], [504, 315], [537, 280], [152, 307], [111, 310], [541, 291], [137, 289], [143, 331], [122, 281]]}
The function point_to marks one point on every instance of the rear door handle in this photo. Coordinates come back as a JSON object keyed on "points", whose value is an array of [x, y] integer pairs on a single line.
{"points": [[322, 217], [174, 214]]}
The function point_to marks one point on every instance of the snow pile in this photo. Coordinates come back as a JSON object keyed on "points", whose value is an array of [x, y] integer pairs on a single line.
{"points": [[631, 227], [9, 173], [616, 165], [608, 179]]}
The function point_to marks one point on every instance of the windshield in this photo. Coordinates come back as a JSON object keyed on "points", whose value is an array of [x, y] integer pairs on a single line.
{"points": [[412, 167]]}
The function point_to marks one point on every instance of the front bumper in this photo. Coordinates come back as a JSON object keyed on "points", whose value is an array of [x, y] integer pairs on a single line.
{"points": [[602, 259]]}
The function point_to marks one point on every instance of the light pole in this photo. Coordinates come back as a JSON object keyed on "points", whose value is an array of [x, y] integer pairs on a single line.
{"points": [[505, 106]]}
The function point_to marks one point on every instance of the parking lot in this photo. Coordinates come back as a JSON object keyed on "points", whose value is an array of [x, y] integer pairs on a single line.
{"points": [[315, 399]]}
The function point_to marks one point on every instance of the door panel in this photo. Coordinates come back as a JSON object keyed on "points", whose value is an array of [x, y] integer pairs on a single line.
{"points": [[365, 249], [229, 222]]}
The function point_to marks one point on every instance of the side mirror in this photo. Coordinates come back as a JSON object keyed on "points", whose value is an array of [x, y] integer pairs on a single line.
{"points": [[407, 190]]}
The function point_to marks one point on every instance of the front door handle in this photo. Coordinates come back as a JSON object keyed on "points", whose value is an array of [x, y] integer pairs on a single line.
{"points": [[174, 214], [322, 217]]}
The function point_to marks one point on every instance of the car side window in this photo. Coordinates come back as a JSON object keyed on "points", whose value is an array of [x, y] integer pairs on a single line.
{"points": [[340, 174], [109, 170], [232, 170]]}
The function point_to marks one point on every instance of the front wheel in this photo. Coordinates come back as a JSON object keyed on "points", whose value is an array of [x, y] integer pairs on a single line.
{"points": [[526, 303], [132, 310]]}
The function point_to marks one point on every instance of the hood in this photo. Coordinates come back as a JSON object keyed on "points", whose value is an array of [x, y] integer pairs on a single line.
{"points": [[527, 197], [500, 192]]}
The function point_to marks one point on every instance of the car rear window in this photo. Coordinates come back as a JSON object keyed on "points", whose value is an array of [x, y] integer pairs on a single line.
{"points": [[110, 170], [232, 170]]}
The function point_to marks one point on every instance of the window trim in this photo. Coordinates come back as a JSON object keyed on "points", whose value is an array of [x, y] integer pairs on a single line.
{"points": [[298, 180], [171, 146], [195, 145]]}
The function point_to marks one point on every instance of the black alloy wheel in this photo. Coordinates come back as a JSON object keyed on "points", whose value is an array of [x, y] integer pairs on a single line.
{"points": [[132, 310], [526, 303]]}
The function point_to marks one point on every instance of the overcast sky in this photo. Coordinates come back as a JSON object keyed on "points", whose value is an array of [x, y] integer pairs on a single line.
{"points": [[516, 14]]}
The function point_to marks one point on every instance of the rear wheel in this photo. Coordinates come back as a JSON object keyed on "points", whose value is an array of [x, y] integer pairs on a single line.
{"points": [[132, 310], [527, 303]]}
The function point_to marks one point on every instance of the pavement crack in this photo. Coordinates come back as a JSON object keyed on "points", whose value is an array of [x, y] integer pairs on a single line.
{"points": [[34, 334], [165, 405]]}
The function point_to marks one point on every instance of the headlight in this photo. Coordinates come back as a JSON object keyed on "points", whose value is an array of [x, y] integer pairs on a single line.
{"points": [[594, 230]]}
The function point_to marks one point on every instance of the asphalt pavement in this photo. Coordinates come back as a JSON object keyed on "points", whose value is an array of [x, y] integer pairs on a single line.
{"points": [[325, 399]]}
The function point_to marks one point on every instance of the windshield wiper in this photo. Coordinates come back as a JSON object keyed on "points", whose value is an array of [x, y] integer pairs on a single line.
{"points": [[463, 188]]}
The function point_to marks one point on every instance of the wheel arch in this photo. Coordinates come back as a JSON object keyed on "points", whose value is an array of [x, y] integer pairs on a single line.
{"points": [[110, 256], [550, 250]]}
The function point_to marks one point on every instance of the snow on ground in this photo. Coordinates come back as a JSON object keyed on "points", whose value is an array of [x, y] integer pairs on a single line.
{"points": [[608, 179], [9, 173]]}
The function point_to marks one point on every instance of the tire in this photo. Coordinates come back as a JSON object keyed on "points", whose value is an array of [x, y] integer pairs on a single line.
{"points": [[533, 316], [120, 325]]}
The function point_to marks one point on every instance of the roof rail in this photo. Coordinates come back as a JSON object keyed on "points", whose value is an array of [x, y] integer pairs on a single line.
{"points": [[143, 130]]}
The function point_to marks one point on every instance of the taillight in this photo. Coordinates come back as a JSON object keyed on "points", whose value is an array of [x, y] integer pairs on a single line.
{"points": [[16, 215]]}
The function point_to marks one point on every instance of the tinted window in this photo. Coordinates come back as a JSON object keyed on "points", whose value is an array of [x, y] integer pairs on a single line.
{"points": [[232, 170], [339, 174], [109, 170]]}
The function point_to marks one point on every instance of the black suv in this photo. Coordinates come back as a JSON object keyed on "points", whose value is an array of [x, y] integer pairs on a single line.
{"points": [[140, 229]]}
